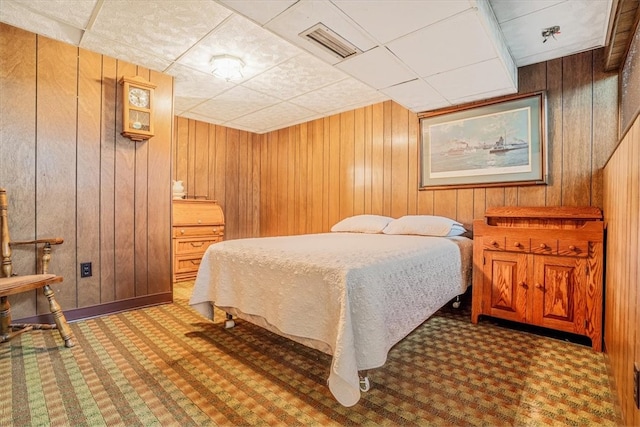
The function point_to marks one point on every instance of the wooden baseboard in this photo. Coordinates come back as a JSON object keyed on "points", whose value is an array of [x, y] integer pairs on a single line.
{"points": [[103, 309]]}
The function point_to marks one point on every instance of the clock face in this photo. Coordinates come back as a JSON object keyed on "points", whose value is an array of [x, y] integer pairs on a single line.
{"points": [[139, 97]]}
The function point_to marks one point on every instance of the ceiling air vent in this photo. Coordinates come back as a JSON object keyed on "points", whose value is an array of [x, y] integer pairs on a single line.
{"points": [[330, 40]]}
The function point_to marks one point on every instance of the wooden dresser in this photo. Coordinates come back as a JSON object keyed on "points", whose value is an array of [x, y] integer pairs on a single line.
{"points": [[196, 225], [542, 266]]}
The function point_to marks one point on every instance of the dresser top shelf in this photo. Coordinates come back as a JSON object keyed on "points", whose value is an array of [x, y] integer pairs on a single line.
{"points": [[555, 212]]}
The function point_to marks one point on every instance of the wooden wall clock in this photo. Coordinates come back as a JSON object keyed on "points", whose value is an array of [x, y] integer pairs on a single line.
{"points": [[138, 108]]}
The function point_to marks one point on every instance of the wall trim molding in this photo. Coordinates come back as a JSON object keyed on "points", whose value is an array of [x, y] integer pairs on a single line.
{"points": [[99, 310]]}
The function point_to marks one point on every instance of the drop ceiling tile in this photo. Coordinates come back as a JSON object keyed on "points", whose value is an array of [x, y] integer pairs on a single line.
{"points": [[583, 25], [166, 28], [338, 95], [506, 10], [260, 11], [16, 14], [305, 14], [416, 95], [378, 68], [200, 117], [192, 83], [275, 117], [123, 52], [233, 103], [73, 12], [408, 15], [473, 80], [97, 43], [446, 45], [182, 104], [298, 75], [258, 48], [557, 52]]}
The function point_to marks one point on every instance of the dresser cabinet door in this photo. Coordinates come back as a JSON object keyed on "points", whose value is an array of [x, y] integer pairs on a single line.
{"points": [[505, 285], [559, 293]]}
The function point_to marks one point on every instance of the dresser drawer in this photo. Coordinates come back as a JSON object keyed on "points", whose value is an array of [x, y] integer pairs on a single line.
{"points": [[573, 248], [193, 246], [186, 264], [199, 230]]}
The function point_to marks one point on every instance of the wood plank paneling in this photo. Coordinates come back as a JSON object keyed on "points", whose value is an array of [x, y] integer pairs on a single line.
{"points": [[125, 159], [18, 73], [578, 119], [159, 188], [89, 115], [141, 211], [622, 299], [56, 120], [74, 176]]}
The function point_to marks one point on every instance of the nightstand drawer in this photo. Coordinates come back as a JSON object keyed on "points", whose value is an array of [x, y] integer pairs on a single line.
{"points": [[544, 246], [494, 242], [194, 246], [573, 248], [517, 244], [200, 230]]}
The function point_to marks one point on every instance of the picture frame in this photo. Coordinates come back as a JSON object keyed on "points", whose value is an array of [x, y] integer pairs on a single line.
{"points": [[501, 142]]}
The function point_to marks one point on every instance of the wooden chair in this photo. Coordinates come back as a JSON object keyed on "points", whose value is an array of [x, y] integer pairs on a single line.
{"points": [[11, 284]]}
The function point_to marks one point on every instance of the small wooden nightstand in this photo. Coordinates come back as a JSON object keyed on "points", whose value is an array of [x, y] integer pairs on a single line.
{"points": [[196, 225], [541, 266]]}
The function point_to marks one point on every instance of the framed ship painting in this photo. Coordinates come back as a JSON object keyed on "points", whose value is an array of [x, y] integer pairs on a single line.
{"points": [[496, 143]]}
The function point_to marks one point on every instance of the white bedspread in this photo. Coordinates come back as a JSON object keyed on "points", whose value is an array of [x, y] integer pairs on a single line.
{"points": [[358, 293]]}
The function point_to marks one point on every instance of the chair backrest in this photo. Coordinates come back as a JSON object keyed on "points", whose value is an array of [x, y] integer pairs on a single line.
{"points": [[5, 248]]}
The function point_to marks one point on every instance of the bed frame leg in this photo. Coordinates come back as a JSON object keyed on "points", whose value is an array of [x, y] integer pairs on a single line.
{"points": [[229, 323], [456, 303], [365, 385]]}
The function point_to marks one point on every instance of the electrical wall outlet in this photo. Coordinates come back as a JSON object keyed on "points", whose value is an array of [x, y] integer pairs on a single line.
{"points": [[636, 384], [85, 269]]}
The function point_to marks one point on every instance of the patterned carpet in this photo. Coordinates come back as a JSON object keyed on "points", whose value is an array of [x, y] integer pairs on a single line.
{"points": [[168, 366]]}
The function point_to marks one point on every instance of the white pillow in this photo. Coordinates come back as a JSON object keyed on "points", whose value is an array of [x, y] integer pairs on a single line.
{"points": [[425, 225], [362, 224]]}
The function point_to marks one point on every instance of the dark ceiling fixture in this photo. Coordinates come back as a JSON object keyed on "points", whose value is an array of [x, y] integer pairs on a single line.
{"points": [[550, 32]]}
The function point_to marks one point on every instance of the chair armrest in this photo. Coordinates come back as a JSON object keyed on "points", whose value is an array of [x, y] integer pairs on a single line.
{"points": [[46, 250], [52, 241]]}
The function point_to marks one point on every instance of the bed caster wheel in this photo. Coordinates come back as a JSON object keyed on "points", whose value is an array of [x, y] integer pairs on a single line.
{"points": [[364, 384], [456, 303], [228, 324]]}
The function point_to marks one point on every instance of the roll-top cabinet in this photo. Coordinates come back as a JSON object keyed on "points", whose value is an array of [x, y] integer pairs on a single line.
{"points": [[197, 224], [541, 266]]}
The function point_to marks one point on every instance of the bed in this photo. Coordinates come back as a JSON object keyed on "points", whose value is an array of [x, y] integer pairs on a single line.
{"points": [[349, 294]]}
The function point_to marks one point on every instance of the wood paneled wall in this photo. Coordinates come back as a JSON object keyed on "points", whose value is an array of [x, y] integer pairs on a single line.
{"points": [[223, 164], [69, 173], [366, 160], [622, 299], [622, 216]]}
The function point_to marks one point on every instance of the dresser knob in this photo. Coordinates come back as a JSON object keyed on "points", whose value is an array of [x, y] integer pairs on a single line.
{"points": [[493, 243], [539, 286], [524, 285], [182, 231], [517, 244], [199, 221], [572, 248], [543, 246]]}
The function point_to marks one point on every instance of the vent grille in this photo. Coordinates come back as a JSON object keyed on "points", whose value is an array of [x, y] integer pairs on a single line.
{"points": [[330, 40]]}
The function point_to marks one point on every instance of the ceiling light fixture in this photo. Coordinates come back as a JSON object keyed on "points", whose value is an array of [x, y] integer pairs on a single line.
{"points": [[227, 67], [550, 32]]}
